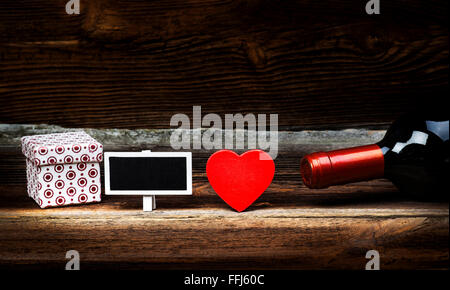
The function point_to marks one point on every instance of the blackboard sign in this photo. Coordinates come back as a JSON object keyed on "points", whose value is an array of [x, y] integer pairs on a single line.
{"points": [[148, 174]]}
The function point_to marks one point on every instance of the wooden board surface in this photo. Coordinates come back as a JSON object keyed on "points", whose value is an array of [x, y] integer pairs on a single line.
{"points": [[134, 64], [186, 233]]}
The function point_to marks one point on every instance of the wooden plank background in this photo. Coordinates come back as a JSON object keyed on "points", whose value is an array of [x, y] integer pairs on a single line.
{"points": [[133, 64]]}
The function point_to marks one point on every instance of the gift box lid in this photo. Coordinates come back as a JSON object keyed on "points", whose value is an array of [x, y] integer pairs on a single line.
{"points": [[62, 148]]}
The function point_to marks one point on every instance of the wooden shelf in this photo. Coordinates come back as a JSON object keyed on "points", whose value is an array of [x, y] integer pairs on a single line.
{"points": [[280, 231]]}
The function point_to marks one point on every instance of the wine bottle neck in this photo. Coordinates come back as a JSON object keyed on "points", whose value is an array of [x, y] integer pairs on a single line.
{"points": [[323, 169]]}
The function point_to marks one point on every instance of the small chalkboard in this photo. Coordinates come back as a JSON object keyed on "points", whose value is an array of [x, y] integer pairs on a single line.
{"points": [[148, 173]]}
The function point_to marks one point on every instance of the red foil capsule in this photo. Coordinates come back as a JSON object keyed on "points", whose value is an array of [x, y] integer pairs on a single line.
{"points": [[323, 169]]}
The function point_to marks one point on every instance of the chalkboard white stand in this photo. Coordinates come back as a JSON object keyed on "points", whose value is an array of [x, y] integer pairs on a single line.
{"points": [[149, 196], [149, 202]]}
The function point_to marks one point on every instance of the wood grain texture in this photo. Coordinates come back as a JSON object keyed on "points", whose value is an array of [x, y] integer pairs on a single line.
{"points": [[133, 64], [116, 234]]}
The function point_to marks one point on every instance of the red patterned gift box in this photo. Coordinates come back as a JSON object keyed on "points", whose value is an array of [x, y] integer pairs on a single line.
{"points": [[63, 168]]}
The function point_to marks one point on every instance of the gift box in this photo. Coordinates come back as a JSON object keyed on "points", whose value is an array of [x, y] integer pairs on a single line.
{"points": [[63, 169]]}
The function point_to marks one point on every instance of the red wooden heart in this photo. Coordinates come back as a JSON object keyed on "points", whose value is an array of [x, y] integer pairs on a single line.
{"points": [[240, 180]]}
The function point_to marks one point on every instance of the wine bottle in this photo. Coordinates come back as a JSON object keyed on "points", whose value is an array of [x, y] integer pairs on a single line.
{"points": [[414, 155]]}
